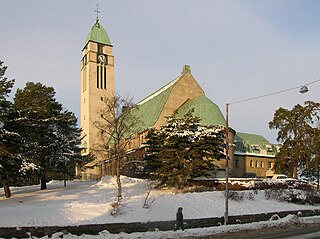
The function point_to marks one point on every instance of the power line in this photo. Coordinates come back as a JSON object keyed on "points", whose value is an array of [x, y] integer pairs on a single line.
{"points": [[273, 93]]}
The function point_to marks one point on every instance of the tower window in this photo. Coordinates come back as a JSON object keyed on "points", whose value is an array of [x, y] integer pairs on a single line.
{"points": [[98, 76], [100, 48], [101, 77], [84, 60], [101, 98], [104, 78]]}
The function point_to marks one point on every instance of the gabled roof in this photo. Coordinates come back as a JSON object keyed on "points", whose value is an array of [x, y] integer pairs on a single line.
{"points": [[204, 108], [254, 144], [149, 109]]}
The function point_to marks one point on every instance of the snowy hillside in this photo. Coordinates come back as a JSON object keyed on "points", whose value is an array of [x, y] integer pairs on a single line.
{"points": [[91, 202]]}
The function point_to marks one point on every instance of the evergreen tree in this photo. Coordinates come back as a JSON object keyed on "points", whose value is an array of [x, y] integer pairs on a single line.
{"points": [[10, 160], [65, 143], [183, 149], [296, 128], [50, 135]]}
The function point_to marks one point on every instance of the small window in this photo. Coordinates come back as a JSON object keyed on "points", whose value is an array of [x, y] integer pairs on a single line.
{"points": [[257, 164], [269, 165], [101, 98], [269, 148], [100, 48], [256, 147], [251, 164], [84, 60], [237, 163], [262, 164]]}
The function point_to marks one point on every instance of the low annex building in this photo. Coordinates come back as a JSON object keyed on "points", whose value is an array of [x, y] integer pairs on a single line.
{"points": [[251, 154]]}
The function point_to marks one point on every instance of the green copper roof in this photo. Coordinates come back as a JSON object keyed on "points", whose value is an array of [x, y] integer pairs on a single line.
{"points": [[149, 109], [204, 108], [98, 34], [254, 144]]}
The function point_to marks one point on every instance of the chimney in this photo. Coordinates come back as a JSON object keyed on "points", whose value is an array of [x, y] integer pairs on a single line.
{"points": [[186, 69]]}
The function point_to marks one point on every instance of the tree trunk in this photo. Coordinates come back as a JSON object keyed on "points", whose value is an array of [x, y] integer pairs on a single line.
{"points": [[119, 196], [295, 170], [318, 176], [6, 188], [43, 183]]}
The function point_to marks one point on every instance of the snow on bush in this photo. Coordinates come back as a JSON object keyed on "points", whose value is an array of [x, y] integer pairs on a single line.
{"points": [[293, 195], [241, 195]]}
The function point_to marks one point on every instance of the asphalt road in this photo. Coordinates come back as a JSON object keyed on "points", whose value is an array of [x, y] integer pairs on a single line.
{"points": [[288, 231]]}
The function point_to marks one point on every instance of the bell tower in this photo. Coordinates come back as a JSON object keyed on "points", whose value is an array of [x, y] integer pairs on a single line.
{"points": [[97, 81]]}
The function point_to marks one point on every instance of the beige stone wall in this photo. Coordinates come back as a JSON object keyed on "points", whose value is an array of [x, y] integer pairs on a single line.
{"points": [[186, 88], [91, 96], [252, 164]]}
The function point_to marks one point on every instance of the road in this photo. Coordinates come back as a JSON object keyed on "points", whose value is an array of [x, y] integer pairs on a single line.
{"points": [[289, 231]]}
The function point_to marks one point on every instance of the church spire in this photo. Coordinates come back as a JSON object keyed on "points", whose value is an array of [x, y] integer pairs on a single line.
{"points": [[98, 34]]}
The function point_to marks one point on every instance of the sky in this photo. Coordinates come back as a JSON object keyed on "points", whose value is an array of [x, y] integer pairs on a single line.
{"points": [[237, 49]]}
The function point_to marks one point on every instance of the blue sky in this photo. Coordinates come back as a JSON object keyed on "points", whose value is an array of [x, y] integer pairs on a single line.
{"points": [[236, 49]]}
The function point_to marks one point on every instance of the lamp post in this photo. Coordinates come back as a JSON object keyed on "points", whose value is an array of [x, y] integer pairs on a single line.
{"points": [[303, 89], [226, 196]]}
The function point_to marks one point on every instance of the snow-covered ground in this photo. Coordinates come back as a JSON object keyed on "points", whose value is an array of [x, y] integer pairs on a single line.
{"points": [[91, 202]]}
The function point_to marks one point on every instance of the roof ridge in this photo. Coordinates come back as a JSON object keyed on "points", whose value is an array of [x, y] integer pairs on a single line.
{"points": [[162, 89]]}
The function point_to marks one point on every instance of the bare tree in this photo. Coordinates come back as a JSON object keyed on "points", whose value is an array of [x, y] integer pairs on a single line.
{"points": [[118, 121]]}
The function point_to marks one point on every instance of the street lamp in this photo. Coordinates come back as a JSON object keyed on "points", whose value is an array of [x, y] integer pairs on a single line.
{"points": [[303, 89]]}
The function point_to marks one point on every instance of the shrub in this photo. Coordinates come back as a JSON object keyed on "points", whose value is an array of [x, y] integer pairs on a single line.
{"points": [[239, 196], [293, 195]]}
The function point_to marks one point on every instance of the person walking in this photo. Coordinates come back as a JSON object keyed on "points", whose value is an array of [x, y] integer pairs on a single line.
{"points": [[179, 219]]}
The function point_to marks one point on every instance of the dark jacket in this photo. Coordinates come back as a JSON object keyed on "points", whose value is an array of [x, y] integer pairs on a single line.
{"points": [[179, 216]]}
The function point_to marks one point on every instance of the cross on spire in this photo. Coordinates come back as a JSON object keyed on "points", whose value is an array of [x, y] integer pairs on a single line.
{"points": [[97, 11]]}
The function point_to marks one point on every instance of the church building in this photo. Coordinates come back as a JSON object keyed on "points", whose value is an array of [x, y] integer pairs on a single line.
{"points": [[250, 155]]}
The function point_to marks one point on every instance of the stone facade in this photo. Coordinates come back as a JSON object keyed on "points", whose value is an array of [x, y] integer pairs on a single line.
{"points": [[183, 93], [97, 83], [252, 166]]}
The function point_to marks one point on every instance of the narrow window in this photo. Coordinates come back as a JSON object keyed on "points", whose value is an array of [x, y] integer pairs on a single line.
{"points": [[100, 48], [101, 98], [251, 164], [101, 77], [105, 78], [262, 164], [257, 164], [237, 163], [84, 60], [98, 77]]}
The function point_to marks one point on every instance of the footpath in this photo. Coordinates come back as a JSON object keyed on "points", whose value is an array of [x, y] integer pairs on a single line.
{"points": [[94, 229]]}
